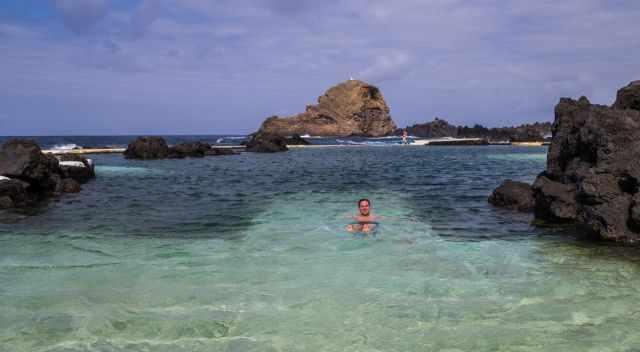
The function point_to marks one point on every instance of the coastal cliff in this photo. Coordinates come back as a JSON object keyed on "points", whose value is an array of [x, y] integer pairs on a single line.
{"points": [[439, 128], [347, 109]]}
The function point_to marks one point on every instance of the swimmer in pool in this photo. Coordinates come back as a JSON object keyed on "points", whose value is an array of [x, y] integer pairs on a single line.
{"points": [[367, 222]]}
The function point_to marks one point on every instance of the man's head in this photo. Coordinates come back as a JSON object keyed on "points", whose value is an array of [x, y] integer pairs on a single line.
{"points": [[363, 206]]}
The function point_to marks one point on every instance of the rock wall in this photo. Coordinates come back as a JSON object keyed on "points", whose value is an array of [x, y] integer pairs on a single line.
{"points": [[350, 108]]}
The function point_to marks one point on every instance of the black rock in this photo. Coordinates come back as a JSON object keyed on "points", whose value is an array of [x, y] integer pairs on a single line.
{"points": [[147, 148], [297, 140], [13, 193], [266, 143], [81, 174], [220, 151], [191, 150], [513, 195], [24, 160], [593, 173]]}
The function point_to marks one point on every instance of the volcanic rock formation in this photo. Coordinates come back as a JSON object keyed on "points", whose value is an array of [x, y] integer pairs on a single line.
{"points": [[350, 108], [28, 175], [439, 128], [593, 167]]}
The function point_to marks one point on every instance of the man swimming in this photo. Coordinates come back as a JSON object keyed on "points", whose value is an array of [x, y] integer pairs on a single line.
{"points": [[366, 221]]}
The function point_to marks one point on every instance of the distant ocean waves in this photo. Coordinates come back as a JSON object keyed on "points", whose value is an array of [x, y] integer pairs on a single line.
{"points": [[73, 142]]}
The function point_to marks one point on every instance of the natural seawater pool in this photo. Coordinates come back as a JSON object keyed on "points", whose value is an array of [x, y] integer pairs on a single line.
{"points": [[247, 253]]}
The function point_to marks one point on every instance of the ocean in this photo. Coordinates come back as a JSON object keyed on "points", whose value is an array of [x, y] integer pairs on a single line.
{"points": [[248, 253]]}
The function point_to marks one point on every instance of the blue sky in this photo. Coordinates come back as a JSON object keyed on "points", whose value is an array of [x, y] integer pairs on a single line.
{"points": [[222, 66]]}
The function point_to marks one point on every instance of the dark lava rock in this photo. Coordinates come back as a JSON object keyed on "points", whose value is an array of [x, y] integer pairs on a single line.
{"points": [[70, 185], [13, 193], [82, 172], [147, 148], [439, 128], [23, 159], [628, 97], [221, 151], [266, 143], [555, 202], [593, 168], [297, 140], [475, 141], [513, 195], [190, 150], [34, 176]]}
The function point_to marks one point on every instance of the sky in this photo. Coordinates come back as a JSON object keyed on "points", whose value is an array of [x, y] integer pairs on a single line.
{"points": [[102, 67]]}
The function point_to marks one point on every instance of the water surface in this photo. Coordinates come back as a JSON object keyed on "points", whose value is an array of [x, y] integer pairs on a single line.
{"points": [[248, 253]]}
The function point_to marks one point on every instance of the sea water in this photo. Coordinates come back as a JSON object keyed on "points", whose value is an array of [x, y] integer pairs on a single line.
{"points": [[248, 253]]}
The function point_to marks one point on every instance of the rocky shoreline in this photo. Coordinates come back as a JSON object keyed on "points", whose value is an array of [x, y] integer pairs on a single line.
{"points": [[28, 176]]}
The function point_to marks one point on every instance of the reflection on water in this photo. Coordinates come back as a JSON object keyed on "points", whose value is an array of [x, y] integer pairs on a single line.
{"points": [[249, 253]]}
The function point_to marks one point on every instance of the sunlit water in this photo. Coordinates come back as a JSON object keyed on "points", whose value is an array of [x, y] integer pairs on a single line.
{"points": [[248, 253]]}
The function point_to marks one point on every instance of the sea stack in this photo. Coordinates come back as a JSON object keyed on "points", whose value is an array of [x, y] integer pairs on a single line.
{"points": [[352, 108]]}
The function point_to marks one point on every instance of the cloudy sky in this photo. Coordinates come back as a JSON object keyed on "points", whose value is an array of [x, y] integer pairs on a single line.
{"points": [[222, 66]]}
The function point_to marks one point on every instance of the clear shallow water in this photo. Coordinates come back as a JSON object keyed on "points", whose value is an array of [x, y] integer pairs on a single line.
{"points": [[247, 253]]}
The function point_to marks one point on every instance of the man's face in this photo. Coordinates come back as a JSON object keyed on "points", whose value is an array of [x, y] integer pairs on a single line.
{"points": [[364, 208]]}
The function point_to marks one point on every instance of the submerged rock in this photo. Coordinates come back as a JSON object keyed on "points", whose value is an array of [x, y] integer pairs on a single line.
{"points": [[593, 167], [147, 148], [513, 195], [349, 108]]}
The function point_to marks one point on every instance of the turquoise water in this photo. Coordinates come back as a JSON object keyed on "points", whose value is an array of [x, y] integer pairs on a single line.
{"points": [[247, 253]]}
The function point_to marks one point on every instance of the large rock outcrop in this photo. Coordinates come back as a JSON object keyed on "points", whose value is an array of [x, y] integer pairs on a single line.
{"points": [[147, 148], [28, 175], [593, 167], [350, 108]]}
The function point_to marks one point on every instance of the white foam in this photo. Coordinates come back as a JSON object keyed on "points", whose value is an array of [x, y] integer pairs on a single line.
{"points": [[4, 178], [69, 146], [72, 163]]}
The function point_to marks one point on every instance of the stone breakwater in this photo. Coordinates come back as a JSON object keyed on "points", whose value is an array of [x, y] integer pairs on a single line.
{"points": [[593, 169], [27, 175]]}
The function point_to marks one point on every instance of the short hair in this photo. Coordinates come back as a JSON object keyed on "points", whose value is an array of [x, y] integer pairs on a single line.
{"points": [[364, 200]]}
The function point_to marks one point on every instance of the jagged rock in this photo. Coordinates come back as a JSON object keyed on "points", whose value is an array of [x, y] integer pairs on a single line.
{"points": [[554, 201], [191, 150], [147, 148], [349, 108], [266, 143], [628, 97], [297, 140], [23, 159], [513, 195], [28, 175], [437, 128], [593, 169]]}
